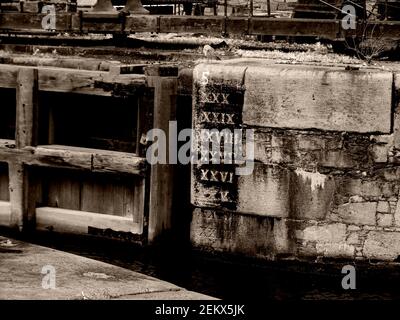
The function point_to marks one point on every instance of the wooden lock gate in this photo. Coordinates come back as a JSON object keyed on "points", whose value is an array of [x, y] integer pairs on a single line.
{"points": [[61, 168]]}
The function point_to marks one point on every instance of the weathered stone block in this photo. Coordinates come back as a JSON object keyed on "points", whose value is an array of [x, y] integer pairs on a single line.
{"points": [[384, 219], [337, 159], [383, 206], [356, 198], [218, 73], [353, 228], [362, 213], [274, 191], [311, 142], [246, 234], [397, 215], [366, 188], [330, 240], [265, 192], [334, 232], [382, 245], [380, 153], [383, 138], [336, 250], [353, 238], [305, 97]]}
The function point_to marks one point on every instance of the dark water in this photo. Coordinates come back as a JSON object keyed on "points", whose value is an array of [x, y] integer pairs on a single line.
{"points": [[234, 277]]}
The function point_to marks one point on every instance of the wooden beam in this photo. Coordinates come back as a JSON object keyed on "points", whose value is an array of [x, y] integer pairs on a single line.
{"points": [[27, 104], [6, 143], [17, 187], [196, 24], [139, 203], [28, 23], [95, 160], [57, 62], [161, 176], [8, 153], [326, 28], [5, 213], [78, 222], [68, 157], [72, 80]]}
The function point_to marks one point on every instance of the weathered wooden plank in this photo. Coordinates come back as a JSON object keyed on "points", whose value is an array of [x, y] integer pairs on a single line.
{"points": [[5, 212], [118, 69], [58, 62], [145, 108], [327, 29], [108, 195], [141, 23], [306, 97], [6, 143], [28, 22], [8, 76], [236, 25], [27, 104], [63, 191], [123, 163], [65, 80], [92, 196], [102, 26], [204, 24], [4, 191], [10, 154], [78, 222], [77, 158], [161, 176], [86, 159], [138, 204], [35, 193], [70, 80], [60, 158], [95, 15], [4, 182], [18, 194], [118, 196], [31, 6], [383, 30]]}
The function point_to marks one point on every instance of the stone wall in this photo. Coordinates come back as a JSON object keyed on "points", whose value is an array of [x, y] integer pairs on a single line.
{"points": [[326, 172]]}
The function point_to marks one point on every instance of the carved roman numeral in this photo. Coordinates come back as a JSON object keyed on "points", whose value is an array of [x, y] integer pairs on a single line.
{"points": [[212, 97], [217, 117], [225, 196], [216, 176]]}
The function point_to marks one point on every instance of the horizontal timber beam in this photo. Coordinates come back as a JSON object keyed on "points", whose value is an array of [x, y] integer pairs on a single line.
{"points": [[73, 80], [68, 157], [28, 23], [72, 221]]}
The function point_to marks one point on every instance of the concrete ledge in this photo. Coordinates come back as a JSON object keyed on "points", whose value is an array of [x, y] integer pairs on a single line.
{"points": [[76, 277]]}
